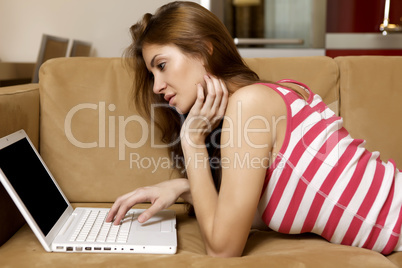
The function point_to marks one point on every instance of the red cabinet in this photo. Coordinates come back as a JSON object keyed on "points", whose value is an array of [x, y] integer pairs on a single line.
{"points": [[353, 28]]}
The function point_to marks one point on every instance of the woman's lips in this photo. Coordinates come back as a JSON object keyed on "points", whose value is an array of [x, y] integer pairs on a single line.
{"points": [[169, 99]]}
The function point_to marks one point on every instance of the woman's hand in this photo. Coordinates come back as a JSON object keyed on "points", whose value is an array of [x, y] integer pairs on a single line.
{"points": [[161, 195], [206, 112]]}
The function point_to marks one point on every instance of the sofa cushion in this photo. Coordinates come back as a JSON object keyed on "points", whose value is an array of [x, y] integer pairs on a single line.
{"points": [[371, 93], [92, 139]]}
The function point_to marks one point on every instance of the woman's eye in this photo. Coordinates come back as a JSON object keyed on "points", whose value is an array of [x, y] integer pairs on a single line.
{"points": [[161, 66]]}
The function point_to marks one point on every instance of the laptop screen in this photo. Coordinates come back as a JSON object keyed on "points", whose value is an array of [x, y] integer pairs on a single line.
{"points": [[32, 183]]}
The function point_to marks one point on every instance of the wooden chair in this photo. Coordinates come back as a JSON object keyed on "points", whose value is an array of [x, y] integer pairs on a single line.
{"points": [[80, 49], [51, 47]]}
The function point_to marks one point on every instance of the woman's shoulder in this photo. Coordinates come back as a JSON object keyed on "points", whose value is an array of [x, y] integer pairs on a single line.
{"points": [[253, 90], [258, 98]]}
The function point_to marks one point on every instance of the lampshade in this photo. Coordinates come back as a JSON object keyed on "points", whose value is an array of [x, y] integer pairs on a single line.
{"points": [[246, 2]]}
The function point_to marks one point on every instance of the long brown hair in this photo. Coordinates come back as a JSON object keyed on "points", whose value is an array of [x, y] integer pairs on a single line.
{"points": [[193, 29]]}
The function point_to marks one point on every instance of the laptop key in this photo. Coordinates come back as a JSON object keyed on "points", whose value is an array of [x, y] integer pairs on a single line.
{"points": [[104, 232], [114, 230], [93, 228], [80, 225], [125, 229]]}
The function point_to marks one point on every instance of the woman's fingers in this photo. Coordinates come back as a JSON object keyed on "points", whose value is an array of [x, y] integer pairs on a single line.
{"points": [[115, 208], [207, 110], [210, 98], [218, 95], [224, 99], [215, 92], [124, 204], [199, 102], [161, 195], [151, 211]]}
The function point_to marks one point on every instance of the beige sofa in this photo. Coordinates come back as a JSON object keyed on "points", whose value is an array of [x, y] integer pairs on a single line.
{"points": [[83, 121]]}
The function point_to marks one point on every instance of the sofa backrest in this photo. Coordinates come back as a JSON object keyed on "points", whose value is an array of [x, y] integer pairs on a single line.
{"points": [[320, 74], [371, 94], [93, 140], [91, 136]]}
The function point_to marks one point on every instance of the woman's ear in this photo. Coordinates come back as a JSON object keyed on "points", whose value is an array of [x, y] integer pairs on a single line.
{"points": [[210, 47]]}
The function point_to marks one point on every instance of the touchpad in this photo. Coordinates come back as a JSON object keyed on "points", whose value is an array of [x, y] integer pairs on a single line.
{"points": [[161, 222], [152, 225]]}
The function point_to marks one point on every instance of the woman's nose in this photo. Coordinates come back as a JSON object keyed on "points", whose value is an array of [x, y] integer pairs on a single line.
{"points": [[159, 85]]}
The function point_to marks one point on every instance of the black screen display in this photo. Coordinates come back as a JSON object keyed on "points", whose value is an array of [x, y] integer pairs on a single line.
{"points": [[33, 184]]}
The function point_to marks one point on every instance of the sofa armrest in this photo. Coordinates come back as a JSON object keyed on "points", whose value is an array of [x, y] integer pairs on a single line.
{"points": [[19, 109]]}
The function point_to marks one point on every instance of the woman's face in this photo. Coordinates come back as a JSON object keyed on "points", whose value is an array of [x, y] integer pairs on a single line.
{"points": [[175, 75]]}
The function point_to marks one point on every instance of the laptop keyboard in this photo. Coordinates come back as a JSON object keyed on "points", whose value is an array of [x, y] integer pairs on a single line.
{"points": [[93, 228]]}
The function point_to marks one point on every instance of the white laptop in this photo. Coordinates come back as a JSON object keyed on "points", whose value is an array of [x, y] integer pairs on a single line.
{"points": [[58, 226]]}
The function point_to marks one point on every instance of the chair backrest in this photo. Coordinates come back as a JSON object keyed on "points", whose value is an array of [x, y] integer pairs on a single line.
{"points": [[80, 49], [51, 47]]}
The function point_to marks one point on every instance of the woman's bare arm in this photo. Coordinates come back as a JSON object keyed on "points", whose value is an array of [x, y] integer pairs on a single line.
{"points": [[246, 140]]}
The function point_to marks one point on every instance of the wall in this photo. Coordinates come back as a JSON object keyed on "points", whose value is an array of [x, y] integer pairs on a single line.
{"points": [[104, 23]]}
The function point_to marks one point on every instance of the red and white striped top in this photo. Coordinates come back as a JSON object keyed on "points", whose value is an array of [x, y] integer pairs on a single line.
{"points": [[325, 182]]}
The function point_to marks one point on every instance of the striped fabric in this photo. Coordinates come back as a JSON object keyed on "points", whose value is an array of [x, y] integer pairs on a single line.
{"points": [[325, 182]]}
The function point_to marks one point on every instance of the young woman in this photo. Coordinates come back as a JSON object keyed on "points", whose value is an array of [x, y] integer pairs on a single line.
{"points": [[279, 155]]}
